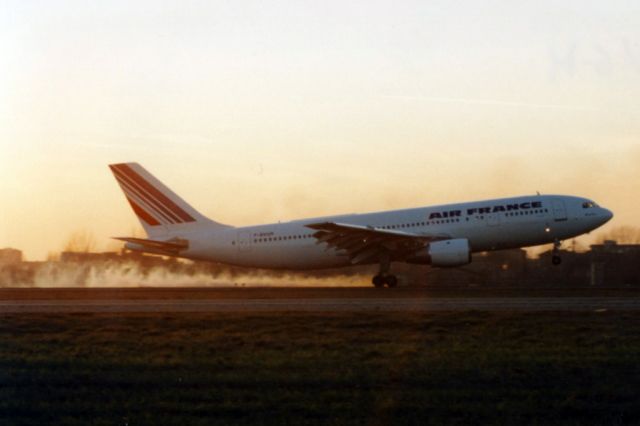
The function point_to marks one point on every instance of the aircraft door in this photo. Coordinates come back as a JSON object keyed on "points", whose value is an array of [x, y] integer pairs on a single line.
{"points": [[559, 210], [244, 241]]}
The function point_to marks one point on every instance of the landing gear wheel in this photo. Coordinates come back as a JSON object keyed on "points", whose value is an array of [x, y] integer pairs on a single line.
{"points": [[378, 281], [391, 281], [555, 258]]}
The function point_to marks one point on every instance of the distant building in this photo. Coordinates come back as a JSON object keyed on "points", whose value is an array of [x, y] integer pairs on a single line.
{"points": [[10, 257], [615, 264], [80, 257]]}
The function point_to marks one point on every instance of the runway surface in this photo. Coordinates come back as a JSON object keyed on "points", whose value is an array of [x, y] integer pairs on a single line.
{"points": [[136, 300]]}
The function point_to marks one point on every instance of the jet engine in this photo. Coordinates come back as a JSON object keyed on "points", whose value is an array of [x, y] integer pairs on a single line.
{"points": [[454, 252]]}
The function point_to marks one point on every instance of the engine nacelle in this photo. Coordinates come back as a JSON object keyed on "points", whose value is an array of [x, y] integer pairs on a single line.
{"points": [[455, 252]]}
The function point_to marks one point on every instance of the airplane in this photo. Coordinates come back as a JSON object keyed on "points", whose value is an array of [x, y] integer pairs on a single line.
{"points": [[440, 235]]}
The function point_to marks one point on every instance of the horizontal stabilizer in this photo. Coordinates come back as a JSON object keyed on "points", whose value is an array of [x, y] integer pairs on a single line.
{"points": [[173, 246]]}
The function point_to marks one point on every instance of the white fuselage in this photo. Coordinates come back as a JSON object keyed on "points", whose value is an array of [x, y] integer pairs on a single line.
{"points": [[488, 225]]}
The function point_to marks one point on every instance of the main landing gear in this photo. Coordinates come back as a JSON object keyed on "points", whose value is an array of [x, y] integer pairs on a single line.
{"points": [[555, 256], [380, 280], [384, 277]]}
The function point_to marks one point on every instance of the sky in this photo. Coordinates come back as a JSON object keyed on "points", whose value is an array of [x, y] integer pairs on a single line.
{"points": [[260, 111]]}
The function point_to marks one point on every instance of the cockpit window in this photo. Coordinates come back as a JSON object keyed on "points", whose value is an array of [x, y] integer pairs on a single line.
{"points": [[589, 205]]}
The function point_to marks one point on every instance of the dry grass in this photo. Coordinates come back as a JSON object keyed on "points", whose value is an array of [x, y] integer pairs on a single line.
{"points": [[279, 368], [210, 293]]}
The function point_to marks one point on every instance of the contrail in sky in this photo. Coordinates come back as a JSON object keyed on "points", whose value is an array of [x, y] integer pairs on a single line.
{"points": [[497, 102]]}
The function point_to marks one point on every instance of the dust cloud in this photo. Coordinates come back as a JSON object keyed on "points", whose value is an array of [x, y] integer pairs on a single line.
{"points": [[133, 274]]}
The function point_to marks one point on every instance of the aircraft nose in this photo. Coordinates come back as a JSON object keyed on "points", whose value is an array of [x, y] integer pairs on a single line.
{"points": [[607, 215]]}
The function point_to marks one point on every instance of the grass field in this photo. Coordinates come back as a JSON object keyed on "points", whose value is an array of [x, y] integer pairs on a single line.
{"points": [[288, 368]]}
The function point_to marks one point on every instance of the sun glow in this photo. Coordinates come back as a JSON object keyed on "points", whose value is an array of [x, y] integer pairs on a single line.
{"points": [[257, 115]]}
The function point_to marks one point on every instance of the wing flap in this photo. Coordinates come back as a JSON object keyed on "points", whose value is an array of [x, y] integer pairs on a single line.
{"points": [[337, 227], [365, 244]]}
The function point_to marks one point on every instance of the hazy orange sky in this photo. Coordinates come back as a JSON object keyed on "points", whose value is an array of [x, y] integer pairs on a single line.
{"points": [[265, 111]]}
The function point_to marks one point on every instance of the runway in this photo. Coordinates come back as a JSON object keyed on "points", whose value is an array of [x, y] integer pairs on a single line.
{"points": [[175, 300], [319, 305]]}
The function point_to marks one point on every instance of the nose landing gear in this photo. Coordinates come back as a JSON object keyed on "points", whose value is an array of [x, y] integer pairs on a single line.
{"points": [[555, 256]]}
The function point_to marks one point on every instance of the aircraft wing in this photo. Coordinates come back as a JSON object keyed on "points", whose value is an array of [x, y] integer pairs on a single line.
{"points": [[366, 243]]}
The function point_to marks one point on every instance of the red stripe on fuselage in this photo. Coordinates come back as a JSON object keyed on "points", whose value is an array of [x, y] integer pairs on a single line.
{"points": [[129, 172]]}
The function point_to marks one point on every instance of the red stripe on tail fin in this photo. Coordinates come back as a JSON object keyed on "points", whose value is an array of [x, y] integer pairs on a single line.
{"points": [[155, 206], [128, 171], [142, 214]]}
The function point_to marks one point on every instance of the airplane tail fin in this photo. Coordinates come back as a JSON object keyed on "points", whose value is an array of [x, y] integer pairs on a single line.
{"points": [[161, 211]]}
